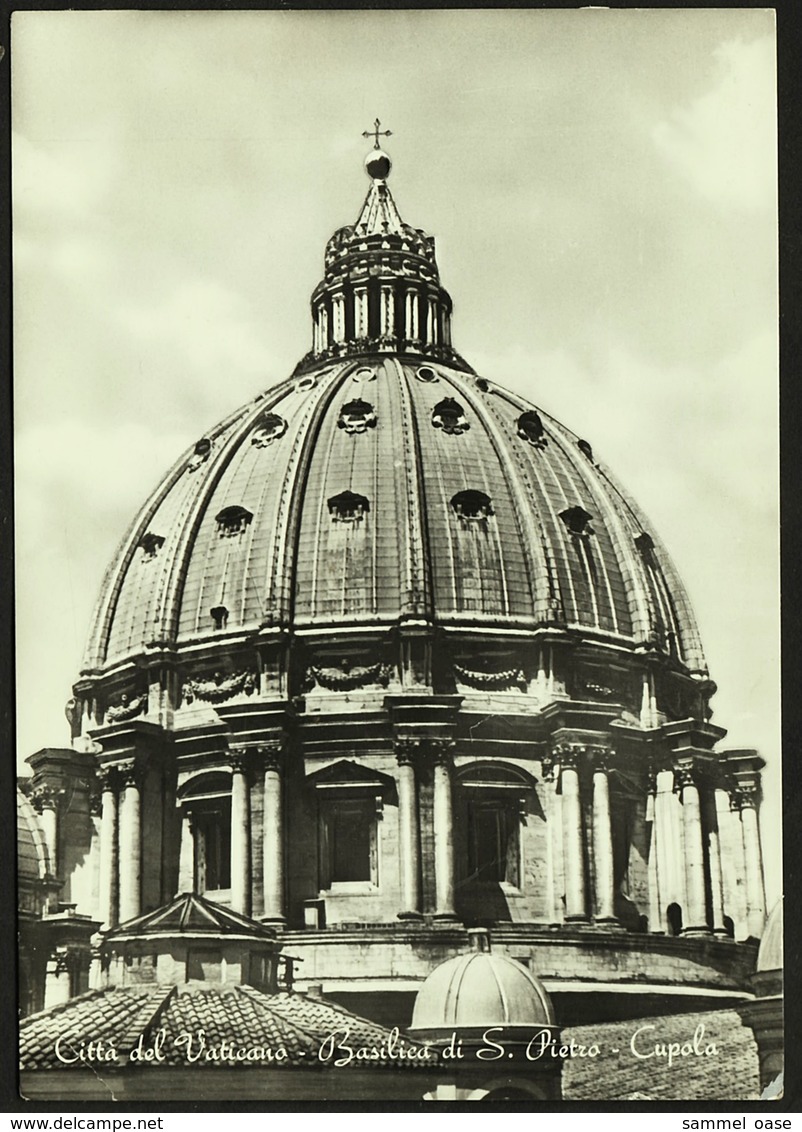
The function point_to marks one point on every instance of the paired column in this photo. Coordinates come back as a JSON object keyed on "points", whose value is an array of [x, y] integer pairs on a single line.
{"points": [[387, 326], [603, 839], [408, 829], [108, 848], [696, 903], [130, 853], [273, 835], [443, 830], [573, 838], [240, 836]]}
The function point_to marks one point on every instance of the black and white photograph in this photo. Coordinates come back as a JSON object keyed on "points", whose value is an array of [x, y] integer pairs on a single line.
{"points": [[397, 557]]}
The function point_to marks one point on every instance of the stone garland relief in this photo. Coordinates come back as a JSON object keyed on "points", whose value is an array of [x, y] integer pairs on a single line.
{"points": [[219, 688], [349, 676], [126, 708]]}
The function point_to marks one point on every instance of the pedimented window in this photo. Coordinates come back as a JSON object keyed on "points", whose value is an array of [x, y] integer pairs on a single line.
{"points": [[232, 521], [472, 506], [348, 507], [577, 520]]}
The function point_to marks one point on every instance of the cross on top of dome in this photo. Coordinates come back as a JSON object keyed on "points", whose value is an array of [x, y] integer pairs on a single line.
{"points": [[377, 162], [376, 133]]}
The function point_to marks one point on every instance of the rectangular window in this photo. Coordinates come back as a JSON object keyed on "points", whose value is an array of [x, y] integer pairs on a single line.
{"points": [[493, 841], [348, 852], [213, 847]]}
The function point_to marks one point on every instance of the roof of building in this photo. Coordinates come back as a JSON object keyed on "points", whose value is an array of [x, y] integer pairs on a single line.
{"points": [[192, 915], [478, 990], [241, 1016], [617, 1074]]}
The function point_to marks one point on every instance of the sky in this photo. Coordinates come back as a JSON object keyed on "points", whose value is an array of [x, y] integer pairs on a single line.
{"points": [[602, 189]]}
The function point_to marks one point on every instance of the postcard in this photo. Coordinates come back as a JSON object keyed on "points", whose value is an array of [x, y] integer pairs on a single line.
{"points": [[397, 547]]}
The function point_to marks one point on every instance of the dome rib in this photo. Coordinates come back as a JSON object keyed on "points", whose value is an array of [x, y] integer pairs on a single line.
{"points": [[284, 577], [420, 601], [638, 597], [168, 604], [531, 539]]}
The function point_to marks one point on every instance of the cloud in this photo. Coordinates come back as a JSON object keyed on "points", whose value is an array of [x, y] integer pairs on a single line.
{"points": [[724, 143]]}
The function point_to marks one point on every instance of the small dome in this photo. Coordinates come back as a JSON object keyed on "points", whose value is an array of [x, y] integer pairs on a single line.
{"points": [[32, 862], [770, 952], [378, 164], [479, 990]]}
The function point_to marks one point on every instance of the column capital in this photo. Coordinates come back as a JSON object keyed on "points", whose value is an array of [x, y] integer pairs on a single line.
{"points": [[744, 795], [441, 751], [685, 774], [46, 796], [547, 768], [407, 751], [601, 757], [131, 773], [568, 755], [107, 779], [272, 755]]}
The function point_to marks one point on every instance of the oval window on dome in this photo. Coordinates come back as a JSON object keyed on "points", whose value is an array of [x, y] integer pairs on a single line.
{"points": [[357, 416], [306, 383], [585, 449], [272, 427], [364, 373], [530, 428], [472, 505], [450, 417], [483, 384], [200, 455], [426, 373]]}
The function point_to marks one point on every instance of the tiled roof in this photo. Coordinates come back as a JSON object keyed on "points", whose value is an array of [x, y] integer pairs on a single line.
{"points": [[117, 1015], [729, 1074], [189, 914], [242, 1017]]}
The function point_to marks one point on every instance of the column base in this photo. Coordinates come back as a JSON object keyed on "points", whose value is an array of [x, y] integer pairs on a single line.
{"points": [[576, 918], [273, 921], [449, 916], [697, 931], [409, 915], [606, 922]]}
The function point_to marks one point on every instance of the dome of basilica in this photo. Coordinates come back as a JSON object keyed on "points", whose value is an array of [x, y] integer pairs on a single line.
{"points": [[389, 653]]}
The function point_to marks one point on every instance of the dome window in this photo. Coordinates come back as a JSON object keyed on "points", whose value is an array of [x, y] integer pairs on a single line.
{"points": [[585, 449], [577, 520], [347, 507], [272, 427], [450, 417], [306, 383], [530, 428], [200, 455], [483, 384], [645, 544], [364, 373], [426, 374], [357, 416], [151, 544], [472, 505], [233, 521], [219, 617]]}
